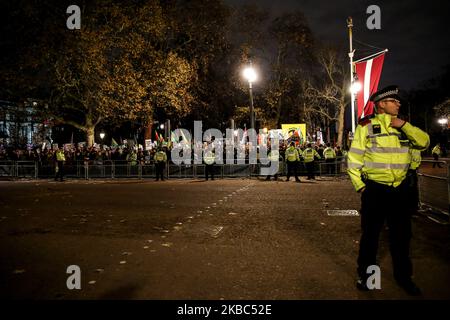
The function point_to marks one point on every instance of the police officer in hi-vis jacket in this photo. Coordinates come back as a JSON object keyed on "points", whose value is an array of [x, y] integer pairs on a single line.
{"points": [[378, 163]]}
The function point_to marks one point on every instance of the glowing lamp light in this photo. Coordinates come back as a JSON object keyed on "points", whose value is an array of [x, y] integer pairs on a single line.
{"points": [[250, 74], [443, 121], [355, 87]]}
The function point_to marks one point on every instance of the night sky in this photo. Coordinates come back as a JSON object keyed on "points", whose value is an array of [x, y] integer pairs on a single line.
{"points": [[415, 32]]}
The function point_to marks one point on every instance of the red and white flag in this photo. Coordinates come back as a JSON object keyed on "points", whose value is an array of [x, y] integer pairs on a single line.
{"points": [[369, 73]]}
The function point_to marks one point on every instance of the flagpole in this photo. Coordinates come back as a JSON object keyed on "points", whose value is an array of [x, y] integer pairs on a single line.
{"points": [[350, 55], [373, 55]]}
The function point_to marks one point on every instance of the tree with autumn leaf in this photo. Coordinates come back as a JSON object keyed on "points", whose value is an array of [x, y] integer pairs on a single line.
{"points": [[112, 70], [119, 72]]}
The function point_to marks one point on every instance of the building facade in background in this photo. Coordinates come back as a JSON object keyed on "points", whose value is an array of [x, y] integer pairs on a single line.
{"points": [[19, 125]]}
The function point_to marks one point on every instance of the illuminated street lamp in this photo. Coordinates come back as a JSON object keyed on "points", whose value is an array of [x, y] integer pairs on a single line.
{"points": [[443, 122], [102, 135], [161, 126], [355, 87], [250, 75]]}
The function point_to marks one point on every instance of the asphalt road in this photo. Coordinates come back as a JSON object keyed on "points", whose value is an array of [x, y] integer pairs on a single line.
{"points": [[185, 239]]}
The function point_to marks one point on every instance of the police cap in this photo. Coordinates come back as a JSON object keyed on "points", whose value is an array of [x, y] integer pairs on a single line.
{"points": [[388, 92]]}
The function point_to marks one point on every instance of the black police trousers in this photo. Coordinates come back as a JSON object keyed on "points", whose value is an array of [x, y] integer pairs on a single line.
{"points": [[292, 170], [380, 204], [330, 165], [209, 171], [310, 169], [60, 171], [160, 166], [436, 161]]}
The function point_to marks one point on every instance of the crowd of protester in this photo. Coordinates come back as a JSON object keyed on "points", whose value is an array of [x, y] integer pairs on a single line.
{"points": [[132, 155]]}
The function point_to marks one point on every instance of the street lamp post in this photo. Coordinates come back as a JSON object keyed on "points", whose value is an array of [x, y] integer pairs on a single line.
{"points": [[350, 55], [250, 75]]}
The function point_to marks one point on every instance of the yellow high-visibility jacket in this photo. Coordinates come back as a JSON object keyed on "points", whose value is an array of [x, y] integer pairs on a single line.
{"points": [[160, 156], [381, 153], [436, 150], [309, 154], [291, 154], [329, 153], [60, 155], [209, 157]]}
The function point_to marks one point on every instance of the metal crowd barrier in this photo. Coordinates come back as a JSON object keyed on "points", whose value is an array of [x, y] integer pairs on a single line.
{"points": [[332, 168], [434, 185], [26, 169], [7, 169], [124, 169]]}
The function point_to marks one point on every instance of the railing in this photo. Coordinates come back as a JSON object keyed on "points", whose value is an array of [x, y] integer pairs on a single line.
{"points": [[124, 169], [434, 185], [7, 169]]}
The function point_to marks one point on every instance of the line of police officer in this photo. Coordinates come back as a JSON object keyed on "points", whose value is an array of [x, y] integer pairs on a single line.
{"points": [[294, 155], [160, 159]]}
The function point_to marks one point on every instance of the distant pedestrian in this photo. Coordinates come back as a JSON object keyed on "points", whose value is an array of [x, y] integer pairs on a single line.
{"points": [[309, 155], [330, 158], [436, 152], [292, 159], [59, 168], [209, 158], [160, 163], [274, 158]]}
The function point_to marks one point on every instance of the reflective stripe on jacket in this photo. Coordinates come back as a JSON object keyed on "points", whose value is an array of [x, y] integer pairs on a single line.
{"points": [[132, 158], [309, 154], [60, 156], [329, 153], [160, 156], [209, 157], [379, 153], [291, 154]]}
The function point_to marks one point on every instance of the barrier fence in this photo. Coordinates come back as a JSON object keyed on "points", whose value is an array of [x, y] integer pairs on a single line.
{"points": [[124, 169], [434, 185]]}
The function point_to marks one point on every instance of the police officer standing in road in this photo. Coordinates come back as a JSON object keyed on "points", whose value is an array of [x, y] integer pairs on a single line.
{"points": [[309, 155], [274, 158], [378, 162], [60, 159], [160, 163], [209, 158], [292, 158], [436, 152], [330, 158]]}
